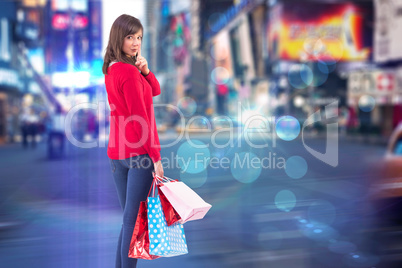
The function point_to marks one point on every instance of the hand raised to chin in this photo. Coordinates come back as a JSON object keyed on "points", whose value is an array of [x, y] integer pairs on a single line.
{"points": [[142, 63]]}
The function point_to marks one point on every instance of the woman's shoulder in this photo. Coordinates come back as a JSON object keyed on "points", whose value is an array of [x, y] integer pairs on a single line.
{"points": [[124, 66], [125, 69]]}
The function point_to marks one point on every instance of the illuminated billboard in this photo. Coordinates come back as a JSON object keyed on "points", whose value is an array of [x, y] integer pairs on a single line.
{"points": [[305, 31], [64, 5], [387, 30]]}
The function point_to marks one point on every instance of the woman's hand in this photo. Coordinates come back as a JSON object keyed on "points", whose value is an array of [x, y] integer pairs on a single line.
{"points": [[142, 63], [158, 168]]}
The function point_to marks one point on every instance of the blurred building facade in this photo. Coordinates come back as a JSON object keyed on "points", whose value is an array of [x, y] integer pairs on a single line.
{"points": [[234, 42], [312, 47], [378, 90], [10, 87], [74, 57], [193, 55], [21, 24], [276, 57], [290, 58], [51, 58], [172, 30]]}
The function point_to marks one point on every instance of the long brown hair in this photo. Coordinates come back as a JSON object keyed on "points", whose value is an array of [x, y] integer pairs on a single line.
{"points": [[124, 25]]}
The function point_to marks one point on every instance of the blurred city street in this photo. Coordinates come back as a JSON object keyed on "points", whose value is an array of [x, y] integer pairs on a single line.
{"points": [[65, 213], [284, 115]]}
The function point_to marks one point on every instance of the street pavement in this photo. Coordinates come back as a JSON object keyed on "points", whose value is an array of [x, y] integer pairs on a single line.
{"points": [[65, 212]]}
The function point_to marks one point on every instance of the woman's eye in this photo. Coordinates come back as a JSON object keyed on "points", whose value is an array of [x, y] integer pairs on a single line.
{"points": [[131, 37]]}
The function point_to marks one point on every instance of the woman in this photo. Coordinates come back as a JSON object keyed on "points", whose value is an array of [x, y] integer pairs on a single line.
{"points": [[133, 148]]}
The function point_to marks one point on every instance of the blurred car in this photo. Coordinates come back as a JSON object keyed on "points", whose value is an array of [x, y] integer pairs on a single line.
{"points": [[386, 194], [390, 185]]}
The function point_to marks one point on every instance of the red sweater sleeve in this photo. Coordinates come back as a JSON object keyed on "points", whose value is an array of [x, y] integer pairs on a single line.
{"points": [[133, 91], [153, 82]]}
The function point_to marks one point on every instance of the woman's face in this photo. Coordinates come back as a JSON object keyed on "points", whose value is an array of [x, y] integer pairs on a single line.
{"points": [[132, 44]]}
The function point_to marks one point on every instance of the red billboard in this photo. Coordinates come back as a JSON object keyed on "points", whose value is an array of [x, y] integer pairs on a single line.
{"points": [[319, 31]]}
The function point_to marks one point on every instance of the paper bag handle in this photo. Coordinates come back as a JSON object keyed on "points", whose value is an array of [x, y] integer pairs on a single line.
{"points": [[161, 179]]}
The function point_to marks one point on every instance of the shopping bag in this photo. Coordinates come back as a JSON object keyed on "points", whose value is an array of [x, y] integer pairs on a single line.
{"points": [[187, 203], [170, 213], [139, 246], [164, 241]]}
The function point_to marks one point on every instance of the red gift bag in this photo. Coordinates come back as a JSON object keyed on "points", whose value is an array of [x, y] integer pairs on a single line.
{"points": [[139, 246], [171, 215]]}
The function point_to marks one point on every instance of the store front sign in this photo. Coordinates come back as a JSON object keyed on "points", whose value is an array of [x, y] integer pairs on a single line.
{"points": [[383, 85], [62, 21], [9, 78], [372, 83], [387, 30], [71, 79]]}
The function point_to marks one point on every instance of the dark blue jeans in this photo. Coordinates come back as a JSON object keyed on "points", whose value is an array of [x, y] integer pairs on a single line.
{"points": [[133, 179]]}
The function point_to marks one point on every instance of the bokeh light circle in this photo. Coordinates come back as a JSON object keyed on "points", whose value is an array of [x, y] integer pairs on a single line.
{"points": [[366, 103], [317, 49], [319, 79], [187, 106], [360, 259], [319, 232], [322, 67], [296, 167], [299, 101], [193, 156], [314, 47], [220, 75], [300, 76], [194, 180], [321, 211], [287, 128], [245, 167], [327, 66], [199, 123], [285, 200], [327, 56]]}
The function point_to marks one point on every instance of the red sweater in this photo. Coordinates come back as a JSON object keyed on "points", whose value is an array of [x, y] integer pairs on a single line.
{"points": [[132, 120]]}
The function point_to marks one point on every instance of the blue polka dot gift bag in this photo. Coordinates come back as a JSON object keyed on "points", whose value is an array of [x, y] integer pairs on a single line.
{"points": [[164, 240]]}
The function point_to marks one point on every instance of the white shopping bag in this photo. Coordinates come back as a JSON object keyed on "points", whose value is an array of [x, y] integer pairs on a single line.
{"points": [[187, 203]]}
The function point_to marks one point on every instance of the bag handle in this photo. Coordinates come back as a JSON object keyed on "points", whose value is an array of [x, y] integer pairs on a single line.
{"points": [[153, 186], [162, 179], [157, 180]]}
